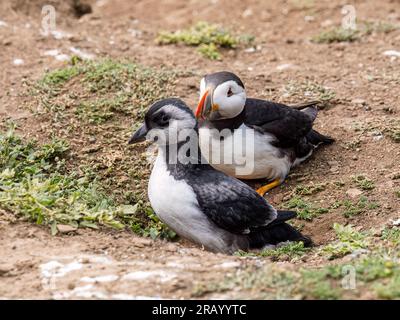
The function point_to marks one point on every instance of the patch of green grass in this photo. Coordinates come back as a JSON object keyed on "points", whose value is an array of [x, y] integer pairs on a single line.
{"points": [[35, 184], [288, 251], [305, 210], [397, 193], [96, 109], [349, 240], [207, 37], [303, 4], [355, 208], [369, 27], [365, 28], [302, 190], [133, 86], [363, 182], [310, 89], [337, 34], [210, 51], [315, 284], [392, 235], [393, 131], [376, 272], [389, 290], [59, 77]]}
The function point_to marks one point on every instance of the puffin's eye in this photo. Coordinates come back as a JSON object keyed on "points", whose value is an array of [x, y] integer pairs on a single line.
{"points": [[162, 119], [230, 93]]}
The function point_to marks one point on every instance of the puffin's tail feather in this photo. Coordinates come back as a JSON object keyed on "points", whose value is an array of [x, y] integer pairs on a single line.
{"points": [[278, 231], [303, 105], [282, 216], [315, 138]]}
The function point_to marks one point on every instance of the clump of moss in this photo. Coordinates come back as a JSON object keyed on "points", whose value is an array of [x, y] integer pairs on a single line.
{"points": [[337, 34], [310, 89], [291, 250], [209, 38], [349, 240], [305, 210], [352, 208], [364, 183], [340, 34]]}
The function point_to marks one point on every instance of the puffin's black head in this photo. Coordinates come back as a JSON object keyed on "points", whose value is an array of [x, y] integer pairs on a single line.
{"points": [[163, 122], [222, 96]]}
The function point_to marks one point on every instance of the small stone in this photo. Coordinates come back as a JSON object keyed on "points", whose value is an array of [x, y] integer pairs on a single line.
{"points": [[309, 18], [392, 53], [65, 228], [396, 222], [353, 192], [358, 101], [5, 268], [250, 50]]}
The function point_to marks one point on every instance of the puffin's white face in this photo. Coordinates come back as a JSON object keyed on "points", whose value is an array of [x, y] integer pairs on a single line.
{"points": [[225, 101]]}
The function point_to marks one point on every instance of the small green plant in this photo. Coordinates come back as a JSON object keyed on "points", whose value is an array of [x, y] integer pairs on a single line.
{"points": [[58, 77], [369, 27], [392, 234], [390, 290], [310, 89], [291, 250], [337, 34], [394, 132], [302, 190], [363, 182], [210, 51], [207, 37], [315, 284], [349, 240], [305, 210], [362, 205]]}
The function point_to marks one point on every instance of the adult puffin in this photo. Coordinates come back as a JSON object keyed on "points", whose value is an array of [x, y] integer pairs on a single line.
{"points": [[282, 136], [198, 202]]}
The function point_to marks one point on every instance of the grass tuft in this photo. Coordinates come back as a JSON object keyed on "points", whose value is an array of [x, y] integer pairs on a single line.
{"points": [[349, 240], [355, 208], [305, 210], [285, 251], [337, 34], [209, 38], [310, 90], [363, 182]]}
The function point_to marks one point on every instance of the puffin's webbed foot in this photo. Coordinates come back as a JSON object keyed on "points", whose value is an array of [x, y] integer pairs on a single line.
{"points": [[264, 189]]}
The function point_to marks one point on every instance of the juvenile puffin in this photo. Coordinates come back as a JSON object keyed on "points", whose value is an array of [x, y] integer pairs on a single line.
{"points": [[198, 202], [283, 136]]}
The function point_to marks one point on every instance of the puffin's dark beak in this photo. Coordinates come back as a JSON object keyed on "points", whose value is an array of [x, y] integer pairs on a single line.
{"points": [[139, 135], [206, 109]]}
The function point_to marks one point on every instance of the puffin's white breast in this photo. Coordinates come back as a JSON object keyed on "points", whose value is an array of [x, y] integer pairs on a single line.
{"points": [[235, 156], [175, 203]]}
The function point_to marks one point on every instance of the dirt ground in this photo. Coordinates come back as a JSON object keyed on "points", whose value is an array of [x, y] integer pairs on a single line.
{"points": [[108, 264]]}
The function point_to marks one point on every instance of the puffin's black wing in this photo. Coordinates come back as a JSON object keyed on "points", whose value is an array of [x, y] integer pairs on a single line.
{"points": [[228, 202], [288, 125]]}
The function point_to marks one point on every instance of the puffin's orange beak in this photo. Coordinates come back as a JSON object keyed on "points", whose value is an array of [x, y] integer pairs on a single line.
{"points": [[200, 106]]}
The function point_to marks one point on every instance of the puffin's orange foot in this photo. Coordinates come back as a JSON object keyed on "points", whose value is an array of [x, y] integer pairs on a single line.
{"points": [[264, 189]]}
